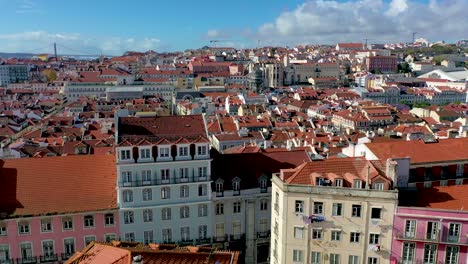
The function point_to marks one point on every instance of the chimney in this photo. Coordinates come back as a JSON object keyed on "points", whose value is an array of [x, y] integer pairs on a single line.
{"points": [[367, 177]]}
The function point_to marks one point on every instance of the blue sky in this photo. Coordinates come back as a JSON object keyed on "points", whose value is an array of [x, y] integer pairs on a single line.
{"points": [[113, 27]]}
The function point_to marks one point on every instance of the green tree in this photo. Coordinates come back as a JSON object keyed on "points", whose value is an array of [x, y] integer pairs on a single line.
{"points": [[50, 74]]}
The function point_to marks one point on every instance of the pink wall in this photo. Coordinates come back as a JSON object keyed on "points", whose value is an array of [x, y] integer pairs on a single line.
{"points": [[422, 216], [36, 236]]}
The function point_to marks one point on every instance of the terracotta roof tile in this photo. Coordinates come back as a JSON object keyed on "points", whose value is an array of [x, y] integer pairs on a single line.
{"points": [[57, 185]]}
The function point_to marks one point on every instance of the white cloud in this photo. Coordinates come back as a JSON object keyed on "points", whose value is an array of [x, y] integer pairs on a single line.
{"points": [[73, 43], [324, 21], [397, 7]]}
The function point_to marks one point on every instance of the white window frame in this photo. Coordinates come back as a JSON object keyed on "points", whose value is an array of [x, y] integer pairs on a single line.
{"points": [[316, 234], [202, 210], [89, 239], [355, 237], [167, 235], [219, 209], [236, 207], [24, 228], [164, 152], [109, 219], [125, 154], [46, 225], [183, 151], [147, 194], [184, 212], [335, 235], [147, 215], [184, 191], [129, 217], [165, 193], [298, 255], [166, 213], [299, 232], [145, 153], [299, 207]]}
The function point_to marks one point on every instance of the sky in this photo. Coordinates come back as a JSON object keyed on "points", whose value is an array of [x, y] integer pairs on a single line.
{"points": [[112, 27]]}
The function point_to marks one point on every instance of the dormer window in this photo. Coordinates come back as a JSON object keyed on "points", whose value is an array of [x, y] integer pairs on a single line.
{"points": [[357, 184], [183, 151], [219, 187], [339, 182], [163, 152], [145, 153], [236, 186], [201, 150], [125, 154], [263, 184], [378, 186]]}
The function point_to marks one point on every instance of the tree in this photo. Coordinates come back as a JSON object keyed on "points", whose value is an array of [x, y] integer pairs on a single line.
{"points": [[438, 60], [50, 74], [404, 68]]}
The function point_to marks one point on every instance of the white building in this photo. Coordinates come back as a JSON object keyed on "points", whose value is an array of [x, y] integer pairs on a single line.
{"points": [[10, 73], [163, 186], [333, 211]]}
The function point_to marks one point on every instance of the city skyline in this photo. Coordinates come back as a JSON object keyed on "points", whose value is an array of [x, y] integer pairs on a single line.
{"points": [[111, 29]]}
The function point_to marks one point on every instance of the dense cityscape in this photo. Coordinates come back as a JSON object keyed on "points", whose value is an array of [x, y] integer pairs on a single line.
{"points": [[353, 152]]}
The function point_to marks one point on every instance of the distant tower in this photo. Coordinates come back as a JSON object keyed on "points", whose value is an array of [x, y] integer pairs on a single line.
{"points": [[414, 36], [101, 59], [55, 51]]}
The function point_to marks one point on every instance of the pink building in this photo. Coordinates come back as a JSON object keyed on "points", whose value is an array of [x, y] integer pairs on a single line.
{"points": [[382, 63], [436, 231], [52, 207]]}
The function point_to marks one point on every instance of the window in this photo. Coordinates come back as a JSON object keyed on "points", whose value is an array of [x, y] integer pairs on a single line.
{"points": [[430, 251], [146, 177], [167, 235], [201, 150], [374, 239], [459, 171], [299, 207], [219, 209], [4, 253], [298, 232], [335, 235], [410, 228], [202, 190], [408, 253], [165, 175], [48, 248], [110, 237], [165, 193], [263, 205], [46, 225], [451, 254], [163, 152], [127, 196], [109, 219], [3, 230], [454, 232], [357, 184], [69, 246], [202, 172], [88, 221], [263, 184], [315, 258], [236, 228], [372, 260], [236, 207], [339, 182], [147, 194], [128, 217], [184, 212], [353, 259], [318, 208], [67, 223], [184, 191], [185, 233], [147, 215], [125, 154], [89, 239], [129, 237], [166, 214], [297, 255], [276, 201], [220, 230], [202, 210], [148, 236], [145, 153], [317, 233], [183, 174], [376, 213], [23, 227], [432, 230], [202, 232], [378, 186], [26, 250], [356, 210], [236, 186], [334, 258], [354, 237], [219, 187], [337, 209], [183, 151]]}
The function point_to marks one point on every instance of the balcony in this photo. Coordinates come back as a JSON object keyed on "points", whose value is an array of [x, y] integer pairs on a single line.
{"points": [[155, 182], [220, 238], [48, 258], [219, 194], [237, 237], [264, 234], [418, 236], [205, 240], [26, 260], [65, 256]]}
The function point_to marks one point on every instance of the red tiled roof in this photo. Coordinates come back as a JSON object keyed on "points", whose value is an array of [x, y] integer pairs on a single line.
{"points": [[453, 197], [55, 185], [421, 152]]}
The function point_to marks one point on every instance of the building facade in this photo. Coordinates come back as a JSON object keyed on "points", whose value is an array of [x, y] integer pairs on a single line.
{"points": [[332, 211]]}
